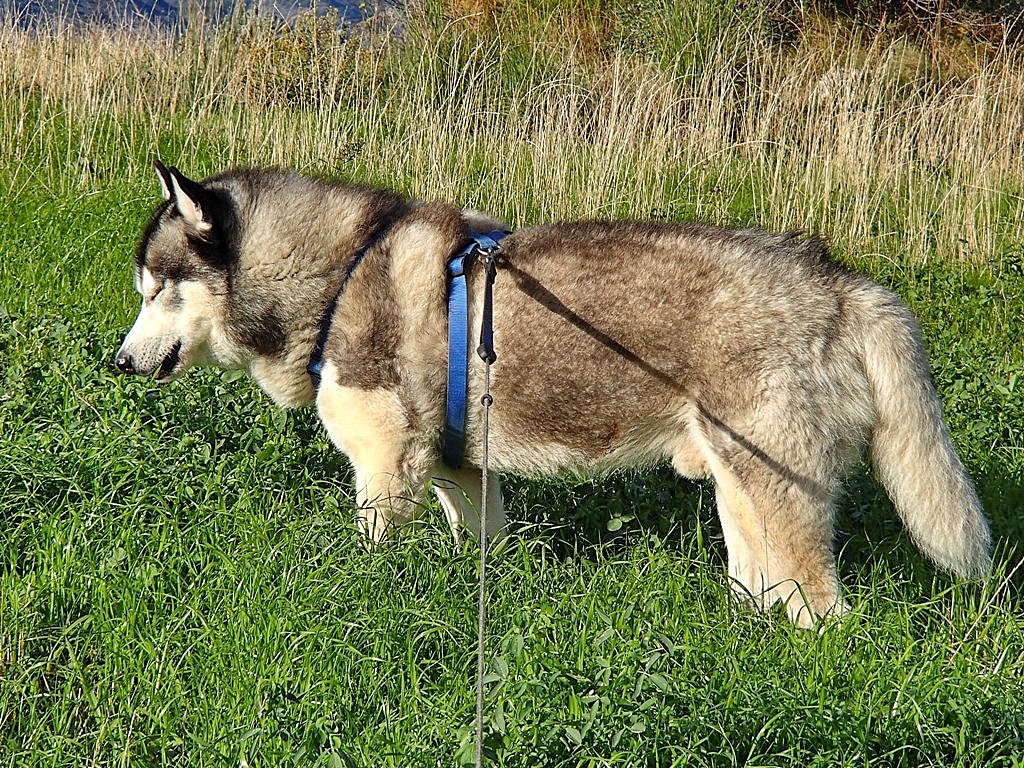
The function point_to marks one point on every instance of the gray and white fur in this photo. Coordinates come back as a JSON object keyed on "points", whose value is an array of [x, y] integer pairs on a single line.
{"points": [[747, 357]]}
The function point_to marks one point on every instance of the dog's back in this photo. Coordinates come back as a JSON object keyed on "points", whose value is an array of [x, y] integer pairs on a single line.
{"points": [[606, 331]]}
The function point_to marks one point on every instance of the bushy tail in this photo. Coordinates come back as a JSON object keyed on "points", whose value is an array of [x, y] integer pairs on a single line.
{"points": [[910, 446]]}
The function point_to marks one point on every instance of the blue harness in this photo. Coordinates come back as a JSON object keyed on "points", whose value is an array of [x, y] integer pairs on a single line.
{"points": [[453, 440]]}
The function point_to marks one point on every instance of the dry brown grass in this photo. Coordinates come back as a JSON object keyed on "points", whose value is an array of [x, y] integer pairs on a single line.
{"points": [[866, 142]]}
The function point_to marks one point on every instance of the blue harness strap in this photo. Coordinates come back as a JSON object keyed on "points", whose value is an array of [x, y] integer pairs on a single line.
{"points": [[453, 440]]}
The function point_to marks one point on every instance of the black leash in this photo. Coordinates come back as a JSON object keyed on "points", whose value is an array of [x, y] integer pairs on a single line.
{"points": [[486, 348], [487, 354]]}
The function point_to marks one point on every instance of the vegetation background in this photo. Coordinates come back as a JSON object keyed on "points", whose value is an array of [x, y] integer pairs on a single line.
{"points": [[181, 581]]}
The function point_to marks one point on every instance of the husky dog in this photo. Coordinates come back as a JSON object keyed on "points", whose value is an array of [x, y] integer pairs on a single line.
{"points": [[744, 356]]}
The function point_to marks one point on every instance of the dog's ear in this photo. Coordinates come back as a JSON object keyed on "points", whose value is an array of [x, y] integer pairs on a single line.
{"points": [[166, 185], [188, 197]]}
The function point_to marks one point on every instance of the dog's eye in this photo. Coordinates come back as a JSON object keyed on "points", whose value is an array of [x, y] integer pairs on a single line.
{"points": [[156, 292]]}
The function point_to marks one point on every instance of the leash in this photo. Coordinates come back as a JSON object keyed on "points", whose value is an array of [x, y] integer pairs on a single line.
{"points": [[482, 248], [487, 354]]}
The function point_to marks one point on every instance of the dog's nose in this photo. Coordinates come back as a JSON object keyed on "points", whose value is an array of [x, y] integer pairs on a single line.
{"points": [[125, 363]]}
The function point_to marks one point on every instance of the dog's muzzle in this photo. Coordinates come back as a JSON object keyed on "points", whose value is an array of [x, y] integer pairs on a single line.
{"points": [[168, 365]]}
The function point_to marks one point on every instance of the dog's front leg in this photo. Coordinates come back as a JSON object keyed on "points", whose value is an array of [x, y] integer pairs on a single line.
{"points": [[386, 500], [371, 428], [460, 492]]}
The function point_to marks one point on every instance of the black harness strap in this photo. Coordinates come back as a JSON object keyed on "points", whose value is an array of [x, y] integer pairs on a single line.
{"points": [[315, 366]]}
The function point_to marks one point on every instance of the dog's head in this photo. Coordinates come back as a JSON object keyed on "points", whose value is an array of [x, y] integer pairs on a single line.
{"points": [[181, 273]]}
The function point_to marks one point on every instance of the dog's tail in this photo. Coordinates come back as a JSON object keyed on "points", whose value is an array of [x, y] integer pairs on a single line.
{"points": [[910, 445]]}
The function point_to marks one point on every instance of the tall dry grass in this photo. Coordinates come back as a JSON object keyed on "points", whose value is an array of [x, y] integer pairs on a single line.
{"points": [[860, 140]]}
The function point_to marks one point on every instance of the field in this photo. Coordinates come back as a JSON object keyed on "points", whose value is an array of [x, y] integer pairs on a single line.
{"points": [[181, 581]]}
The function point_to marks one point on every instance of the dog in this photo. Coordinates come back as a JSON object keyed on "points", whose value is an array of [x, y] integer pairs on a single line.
{"points": [[738, 355]]}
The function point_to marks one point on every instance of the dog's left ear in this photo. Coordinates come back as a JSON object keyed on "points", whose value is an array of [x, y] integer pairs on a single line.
{"points": [[188, 197], [166, 185]]}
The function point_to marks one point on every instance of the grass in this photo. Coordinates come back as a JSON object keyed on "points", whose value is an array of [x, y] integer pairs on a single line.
{"points": [[181, 581]]}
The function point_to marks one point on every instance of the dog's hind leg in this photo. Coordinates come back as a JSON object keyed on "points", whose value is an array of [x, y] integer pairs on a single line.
{"points": [[459, 491], [778, 552], [778, 532]]}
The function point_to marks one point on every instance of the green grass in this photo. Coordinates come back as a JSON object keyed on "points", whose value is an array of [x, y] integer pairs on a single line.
{"points": [[181, 580]]}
